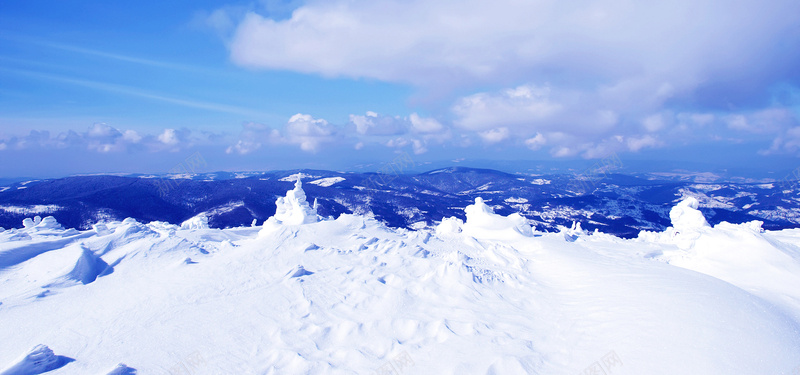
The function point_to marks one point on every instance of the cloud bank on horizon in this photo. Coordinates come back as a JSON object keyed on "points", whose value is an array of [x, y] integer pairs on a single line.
{"points": [[583, 79]]}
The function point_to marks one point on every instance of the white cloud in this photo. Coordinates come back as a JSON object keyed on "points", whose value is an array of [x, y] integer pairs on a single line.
{"points": [[308, 132], [425, 125], [418, 146], [301, 130], [168, 137], [428, 42], [590, 71], [654, 123], [638, 143], [374, 124], [765, 121], [536, 142], [132, 136], [103, 138], [252, 137], [136, 92], [495, 135], [523, 106], [398, 142]]}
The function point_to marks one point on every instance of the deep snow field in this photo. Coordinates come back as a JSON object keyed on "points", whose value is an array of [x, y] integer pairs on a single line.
{"points": [[307, 295]]}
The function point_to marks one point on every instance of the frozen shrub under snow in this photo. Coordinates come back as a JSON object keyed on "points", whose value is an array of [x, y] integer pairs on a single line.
{"points": [[293, 209], [483, 222]]}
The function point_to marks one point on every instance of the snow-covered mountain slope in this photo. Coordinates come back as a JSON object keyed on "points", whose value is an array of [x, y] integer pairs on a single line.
{"points": [[353, 296], [617, 204]]}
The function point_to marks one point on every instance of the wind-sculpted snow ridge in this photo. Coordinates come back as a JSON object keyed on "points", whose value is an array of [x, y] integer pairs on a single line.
{"points": [[302, 295], [36, 361]]}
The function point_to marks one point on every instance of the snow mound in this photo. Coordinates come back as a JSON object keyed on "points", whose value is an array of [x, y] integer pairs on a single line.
{"points": [[101, 229], [88, 267], [482, 222], [38, 360], [197, 222], [686, 217], [741, 254], [449, 225], [293, 209]]}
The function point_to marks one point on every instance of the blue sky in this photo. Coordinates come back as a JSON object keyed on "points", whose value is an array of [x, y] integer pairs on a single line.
{"points": [[90, 86]]}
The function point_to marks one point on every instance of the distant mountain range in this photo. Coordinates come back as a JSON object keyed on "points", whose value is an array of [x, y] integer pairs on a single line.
{"points": [[617, 204]]}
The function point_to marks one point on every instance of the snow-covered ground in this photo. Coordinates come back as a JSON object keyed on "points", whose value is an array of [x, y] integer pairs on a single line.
{"points": [[302, 295], [328, 181]]}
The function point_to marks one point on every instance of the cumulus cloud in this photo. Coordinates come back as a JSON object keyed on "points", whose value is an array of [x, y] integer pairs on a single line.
{"points": [[524, 106], [305, 131], [428, 42], [536, 142], [309, 133], [132, 136], [375, 124], [413, 131], [252, 137], [495, 135], [654, 123], [638, 143], [425, 125], [168, 137], [580, 78], [789, 141], [103, 138], [567, 121]]}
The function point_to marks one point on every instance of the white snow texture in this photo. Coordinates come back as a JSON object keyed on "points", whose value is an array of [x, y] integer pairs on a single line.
{"points": [[301, 295]]}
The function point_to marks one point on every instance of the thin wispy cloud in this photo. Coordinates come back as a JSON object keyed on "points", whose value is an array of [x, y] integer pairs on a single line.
{"points": [[105, 54], [132, 91]]}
